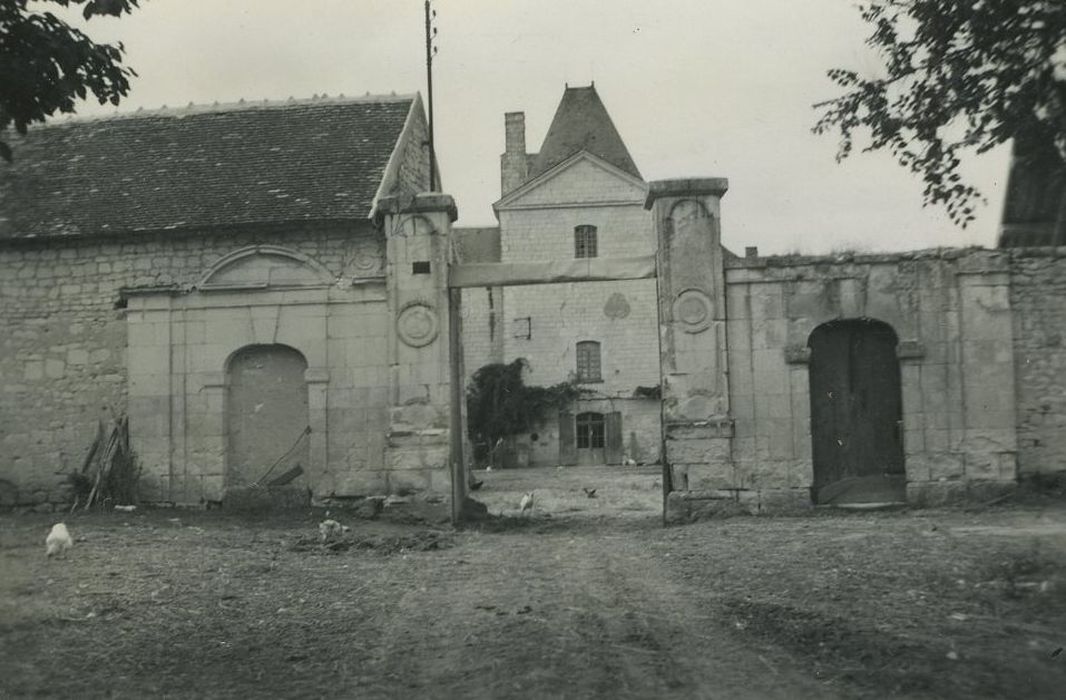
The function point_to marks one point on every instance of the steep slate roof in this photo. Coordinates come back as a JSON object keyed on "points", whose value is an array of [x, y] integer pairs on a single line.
{"points": [[1036, 187], [237, 164], [582, 123]]}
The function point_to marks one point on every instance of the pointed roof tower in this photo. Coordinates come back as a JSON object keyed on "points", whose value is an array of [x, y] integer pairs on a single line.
{"points": [[582, 124]]}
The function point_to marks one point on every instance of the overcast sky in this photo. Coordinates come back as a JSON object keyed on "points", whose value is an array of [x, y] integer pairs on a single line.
{"points": [[695, 87]]}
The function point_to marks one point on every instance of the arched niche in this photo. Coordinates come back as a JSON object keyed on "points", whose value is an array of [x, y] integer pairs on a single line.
{"points": [[266, 409], [685, 209], [412, 225]]}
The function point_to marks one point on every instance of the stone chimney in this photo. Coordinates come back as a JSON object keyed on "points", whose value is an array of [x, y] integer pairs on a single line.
{"points": [[514, 163]]}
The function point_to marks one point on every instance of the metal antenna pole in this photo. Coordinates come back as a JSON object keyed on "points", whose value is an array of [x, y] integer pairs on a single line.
{"points": [[429, 86]]}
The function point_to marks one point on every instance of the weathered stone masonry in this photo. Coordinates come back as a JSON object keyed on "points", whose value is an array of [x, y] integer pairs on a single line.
{"points": [[978, 348], [1038, 303], [949, 311], [227, 288], [64, 357], [170, 308]]}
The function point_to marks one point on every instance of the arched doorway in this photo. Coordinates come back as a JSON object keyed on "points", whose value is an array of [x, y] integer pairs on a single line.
{"points": [[856, 413], [266, 413]]}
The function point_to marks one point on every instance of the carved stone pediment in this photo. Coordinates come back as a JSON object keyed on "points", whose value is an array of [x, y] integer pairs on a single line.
{"points": [[263, 267]]}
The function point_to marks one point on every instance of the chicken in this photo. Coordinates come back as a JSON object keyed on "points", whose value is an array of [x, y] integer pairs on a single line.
{"points": [[58, 541], [527, 502], [475, 485], [330, 529]]}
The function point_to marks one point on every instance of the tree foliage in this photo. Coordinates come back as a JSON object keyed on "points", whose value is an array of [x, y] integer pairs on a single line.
{"points": [[959, 75], [47, 65], [499, 404]]}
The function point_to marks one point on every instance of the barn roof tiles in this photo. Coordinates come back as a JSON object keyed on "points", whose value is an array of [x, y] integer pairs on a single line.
{"points": [[308, 160]]}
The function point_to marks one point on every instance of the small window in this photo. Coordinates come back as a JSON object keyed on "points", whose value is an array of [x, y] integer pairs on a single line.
{"points": [[420, 268], [523, 328], [591, 432], [588, 361], [585, 241]]}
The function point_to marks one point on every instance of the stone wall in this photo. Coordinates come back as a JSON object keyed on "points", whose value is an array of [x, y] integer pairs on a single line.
{"points": [[63, 353], [540, 231], [544, 323], [181, 384], [951, 313], [483, 325], [1038, 303], [739, 423], [641, 433]]}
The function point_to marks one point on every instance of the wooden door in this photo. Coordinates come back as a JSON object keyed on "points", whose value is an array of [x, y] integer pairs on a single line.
{"points": [[591, 438], [856, 413]]}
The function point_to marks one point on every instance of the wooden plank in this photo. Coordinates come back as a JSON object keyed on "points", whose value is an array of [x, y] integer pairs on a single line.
{"points": [[287, 477], [94, 448], [567, 443], [523, 273], [614, 449], [457, 465]]}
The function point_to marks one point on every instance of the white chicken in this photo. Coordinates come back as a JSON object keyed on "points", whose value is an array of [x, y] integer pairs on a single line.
{"points": [[330, 529], [527, 503], [58, 540]]}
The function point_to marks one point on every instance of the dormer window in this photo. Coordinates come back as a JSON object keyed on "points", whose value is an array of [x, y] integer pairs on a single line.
{"points": [[584, 241]]}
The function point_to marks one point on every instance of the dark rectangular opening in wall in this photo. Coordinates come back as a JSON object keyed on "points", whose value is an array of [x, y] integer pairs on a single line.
{"points": [[420, 268]]}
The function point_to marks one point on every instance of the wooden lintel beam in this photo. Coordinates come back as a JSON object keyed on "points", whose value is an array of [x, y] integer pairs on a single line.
{"points": [[522, 273]]}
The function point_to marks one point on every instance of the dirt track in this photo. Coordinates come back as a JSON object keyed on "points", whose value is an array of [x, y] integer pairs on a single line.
{"points": [[923, 604], [571, 615]]}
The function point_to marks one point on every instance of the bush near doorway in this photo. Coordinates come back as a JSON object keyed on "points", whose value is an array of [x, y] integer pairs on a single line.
{"points": [[499, 405]]}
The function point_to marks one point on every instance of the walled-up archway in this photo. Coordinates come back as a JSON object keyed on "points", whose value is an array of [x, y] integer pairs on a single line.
{"points": [[266, 413], [856, 413]]}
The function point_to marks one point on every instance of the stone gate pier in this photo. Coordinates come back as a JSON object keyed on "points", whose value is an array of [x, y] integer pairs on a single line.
{"points": [[796, 381]]}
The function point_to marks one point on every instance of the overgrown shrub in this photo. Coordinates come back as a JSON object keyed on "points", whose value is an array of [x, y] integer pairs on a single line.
{"points": [[499, 404]]}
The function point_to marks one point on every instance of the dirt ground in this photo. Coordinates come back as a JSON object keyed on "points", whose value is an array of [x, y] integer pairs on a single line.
{"points": [[586, 597]]}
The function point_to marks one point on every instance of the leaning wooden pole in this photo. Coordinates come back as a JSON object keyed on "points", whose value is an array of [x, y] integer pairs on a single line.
{"points": [[455, 424]]}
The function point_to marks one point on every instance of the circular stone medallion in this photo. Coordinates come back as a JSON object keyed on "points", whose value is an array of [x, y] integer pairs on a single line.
{"points": [[417, 325], [692, 308], [367, 260]]}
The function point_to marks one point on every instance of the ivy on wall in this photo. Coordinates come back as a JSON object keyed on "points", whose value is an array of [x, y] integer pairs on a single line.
{"points": [[499, 404]]}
